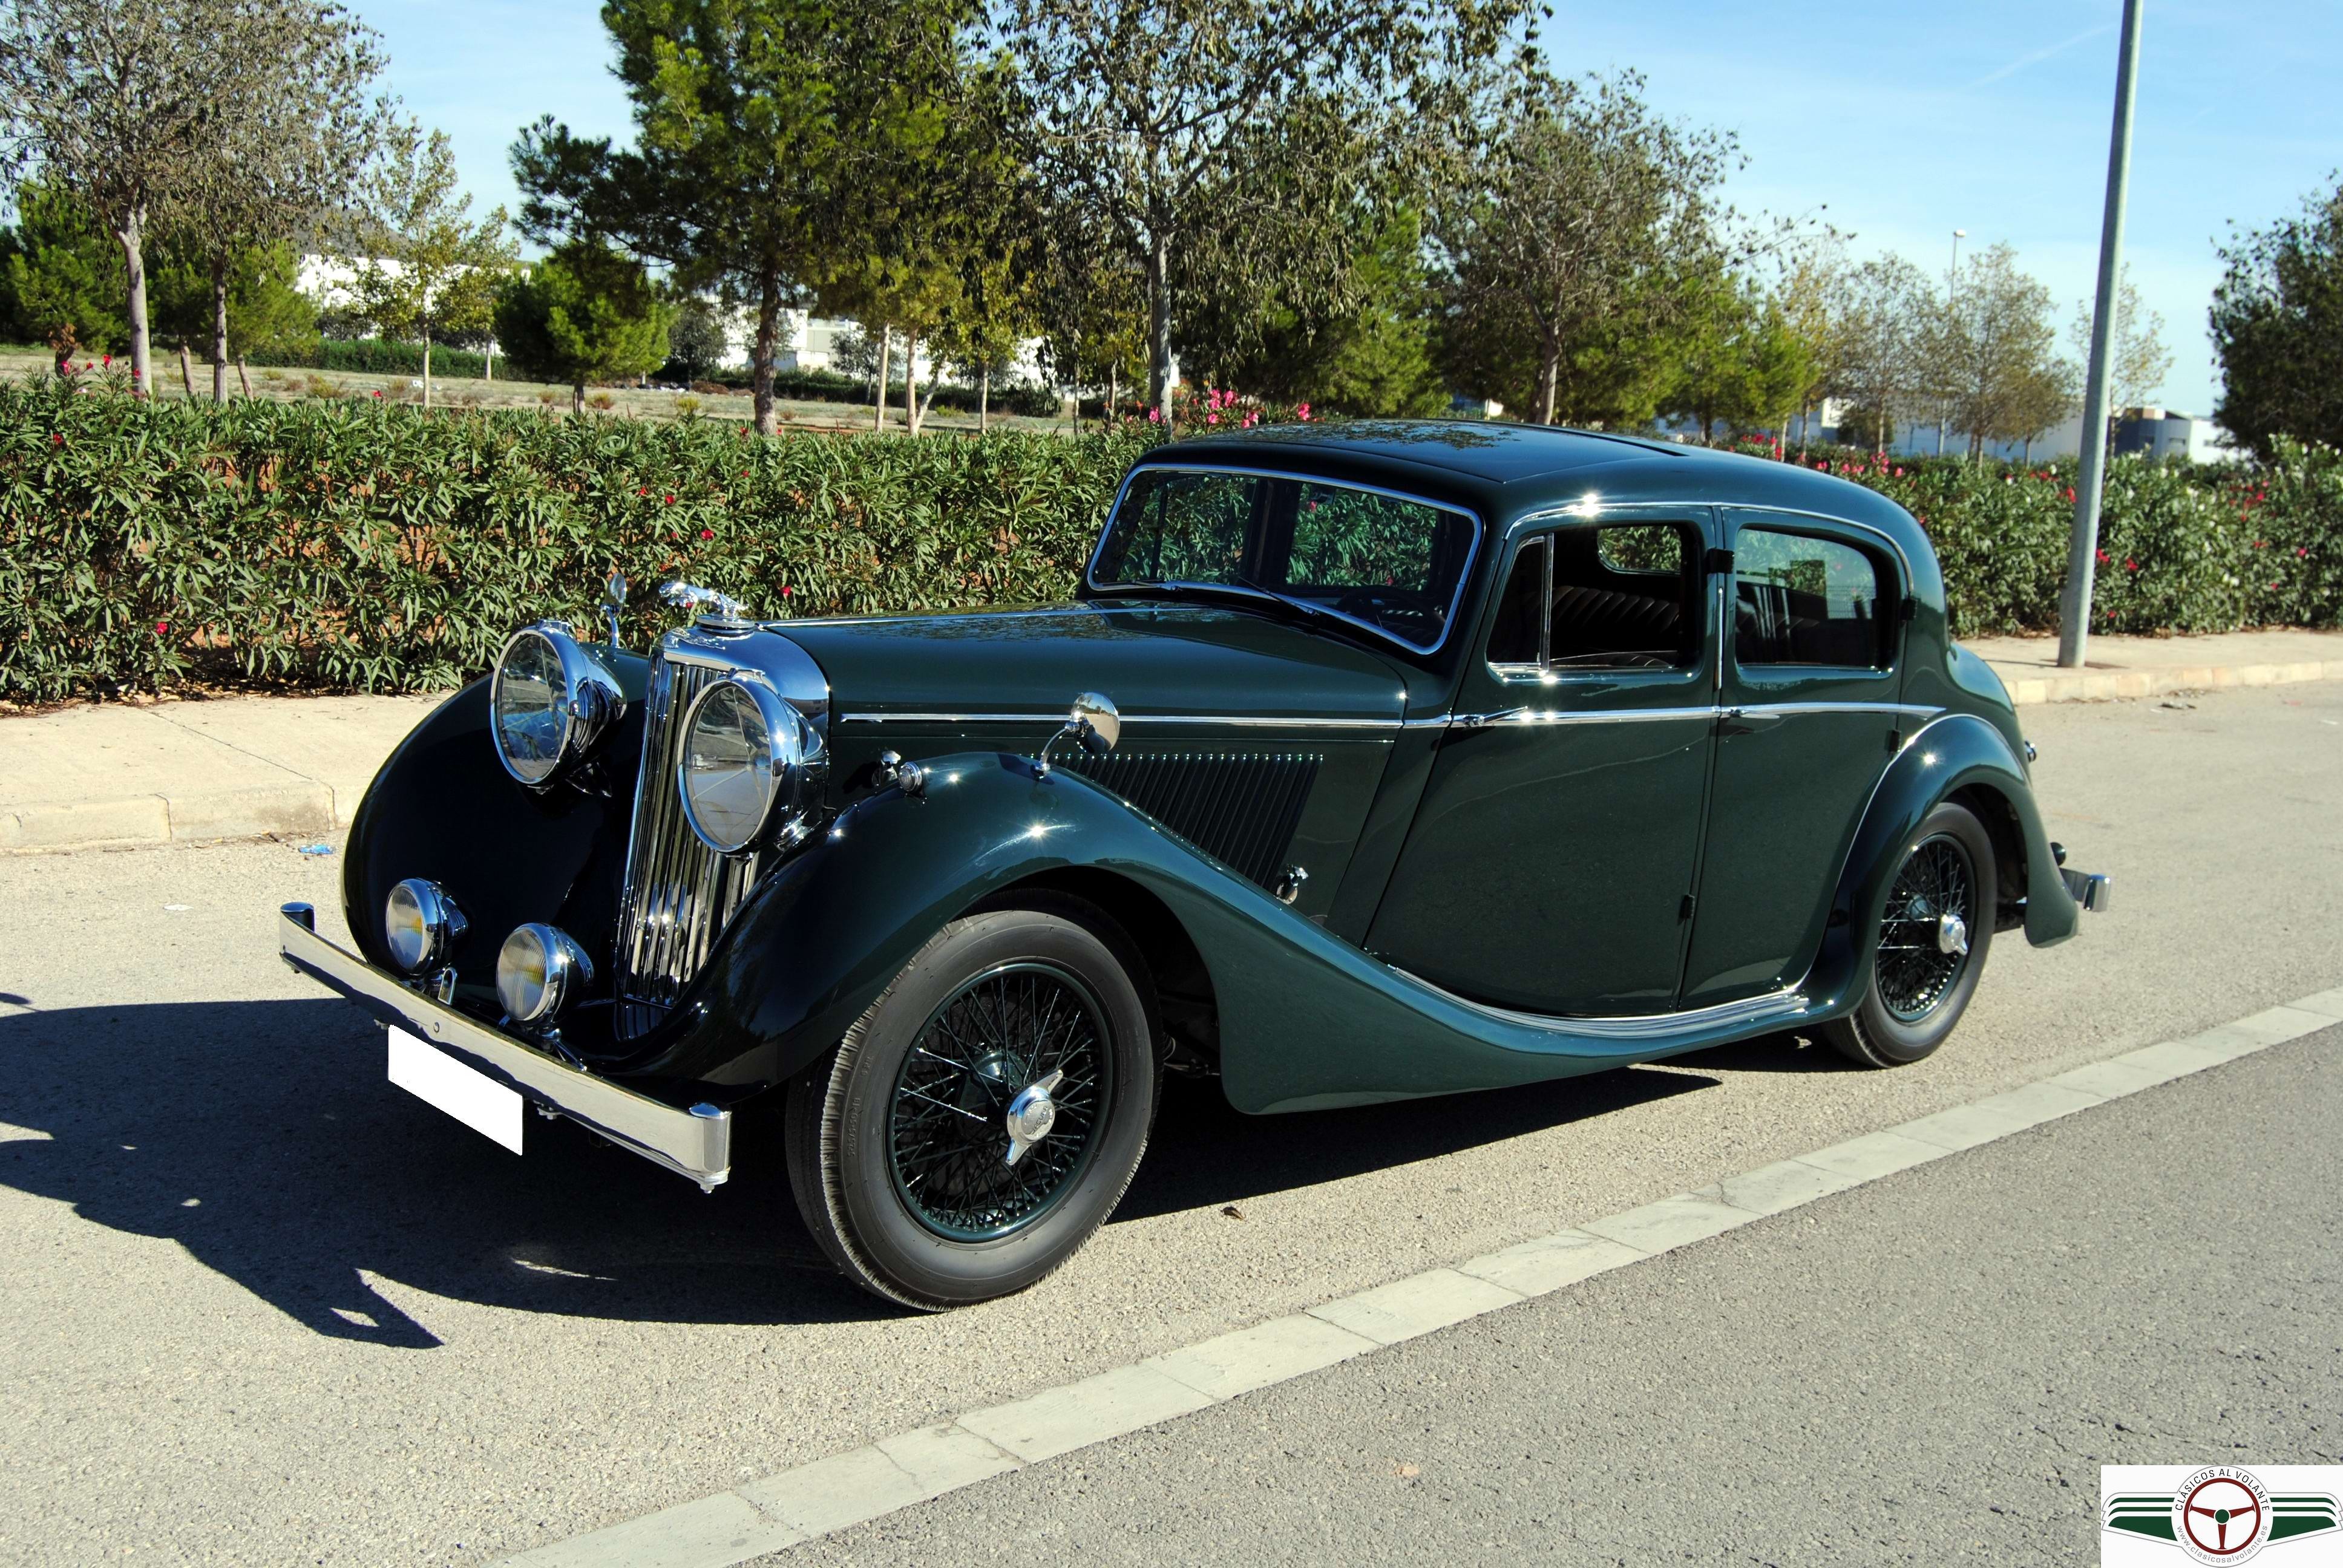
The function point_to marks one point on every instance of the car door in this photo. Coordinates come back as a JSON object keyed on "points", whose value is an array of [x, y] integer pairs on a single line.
{"points": [[1811, 686], [1553, 855]]}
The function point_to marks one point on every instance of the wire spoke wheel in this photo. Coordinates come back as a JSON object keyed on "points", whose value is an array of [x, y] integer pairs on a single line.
{"points": [[1924, 934], [1009, 1034]]}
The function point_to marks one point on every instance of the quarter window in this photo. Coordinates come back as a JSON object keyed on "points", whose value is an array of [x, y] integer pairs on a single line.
{"points": [[1798, 600], [1618, 596]]}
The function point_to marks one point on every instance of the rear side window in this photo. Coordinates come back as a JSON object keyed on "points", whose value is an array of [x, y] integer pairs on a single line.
{"points": [[1620, 596], [1798, 600]]}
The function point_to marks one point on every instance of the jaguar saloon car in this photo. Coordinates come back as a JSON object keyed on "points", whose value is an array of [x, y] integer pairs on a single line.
{"points": [[1368, 762]]}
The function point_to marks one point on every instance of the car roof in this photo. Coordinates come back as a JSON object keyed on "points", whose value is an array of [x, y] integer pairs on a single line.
{"points": [[1504, 470]]}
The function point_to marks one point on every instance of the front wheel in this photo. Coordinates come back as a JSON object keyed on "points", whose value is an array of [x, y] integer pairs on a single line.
{"points": [[1934, 933], [986, 1114]]}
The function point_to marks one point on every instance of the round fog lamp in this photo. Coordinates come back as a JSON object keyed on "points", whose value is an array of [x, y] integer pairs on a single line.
{"points": [[540, 970], [421, 925]]}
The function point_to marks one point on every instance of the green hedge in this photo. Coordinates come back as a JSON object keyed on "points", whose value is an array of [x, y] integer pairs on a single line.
{"points": [[830, 386], [371, 547]]}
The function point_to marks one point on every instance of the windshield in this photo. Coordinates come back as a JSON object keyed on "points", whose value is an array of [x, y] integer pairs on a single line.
{"points": [[1384, 561]]}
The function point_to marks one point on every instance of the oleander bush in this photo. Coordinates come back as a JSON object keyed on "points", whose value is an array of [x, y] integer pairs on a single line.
{"points": [[363, 544]]}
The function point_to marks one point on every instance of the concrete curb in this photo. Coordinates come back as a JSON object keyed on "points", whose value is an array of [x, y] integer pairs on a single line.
{"points": [[2101, 685], [195, 816]]}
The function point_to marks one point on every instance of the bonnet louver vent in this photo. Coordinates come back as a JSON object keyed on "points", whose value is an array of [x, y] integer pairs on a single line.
{"points": [[1241, 807]]}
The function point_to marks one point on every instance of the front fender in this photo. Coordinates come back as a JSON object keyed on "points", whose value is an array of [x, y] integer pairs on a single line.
{"points": [[1955, 753], [1306, 1019]]}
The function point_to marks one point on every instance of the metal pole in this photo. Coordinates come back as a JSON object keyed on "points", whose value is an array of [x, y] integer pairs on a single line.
{"points": [[2082, 552]]}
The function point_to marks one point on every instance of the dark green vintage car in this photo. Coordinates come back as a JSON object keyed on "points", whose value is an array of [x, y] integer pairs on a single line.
{"points": [[1370, 762]]}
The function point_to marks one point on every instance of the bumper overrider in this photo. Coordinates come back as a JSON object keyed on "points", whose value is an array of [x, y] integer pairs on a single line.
{"points": [[695, 1142]]}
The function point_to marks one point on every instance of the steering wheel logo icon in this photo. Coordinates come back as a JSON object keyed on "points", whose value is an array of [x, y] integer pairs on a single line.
{"points": [[2221, 1514]]}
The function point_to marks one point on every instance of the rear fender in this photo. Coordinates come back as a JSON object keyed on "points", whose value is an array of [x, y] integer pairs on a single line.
{"points": [[1955, 753]]}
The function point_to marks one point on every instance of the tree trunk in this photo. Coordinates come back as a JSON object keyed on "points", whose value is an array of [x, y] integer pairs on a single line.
{"points": [[761, 353], [1113, 392], [243, 379], [1806, 425], [488, 362], [911, 382], [984, 398], [886, 347], [132, 237], [1549, 380], [219, 328], [1159, 331], [427, 362], [577, 398], [186, 372]]}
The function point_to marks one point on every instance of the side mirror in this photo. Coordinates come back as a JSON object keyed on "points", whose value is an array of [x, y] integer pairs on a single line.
{"points": [[1094, 725]]}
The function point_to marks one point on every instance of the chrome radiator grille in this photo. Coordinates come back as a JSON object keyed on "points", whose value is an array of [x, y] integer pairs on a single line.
{"points": [[679, 894], [1239, 807]]}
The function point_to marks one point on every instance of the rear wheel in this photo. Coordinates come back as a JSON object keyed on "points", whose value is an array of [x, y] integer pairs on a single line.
{"points": [[1934, 933], [986, 1114]]}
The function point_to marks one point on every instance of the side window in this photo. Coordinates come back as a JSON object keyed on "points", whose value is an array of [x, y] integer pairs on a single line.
{"points": [[1803, 600], [1619, 596], [1515, 644]]}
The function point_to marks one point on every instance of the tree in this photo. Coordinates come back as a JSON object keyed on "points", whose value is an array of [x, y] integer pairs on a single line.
{"points": [[121, 104], [263, 308], [770, 137], [64, 275], [696, 340], [291, 157], [1584, 232], [421, 262], [1813, 285], [1886, 310], [585, 313], [2138, 360], [2276, 323], [1242, 129], [1994, 352]]}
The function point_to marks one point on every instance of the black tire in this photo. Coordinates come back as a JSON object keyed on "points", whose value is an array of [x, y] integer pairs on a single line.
{"points": [[1918, 991], [890, 1149]]}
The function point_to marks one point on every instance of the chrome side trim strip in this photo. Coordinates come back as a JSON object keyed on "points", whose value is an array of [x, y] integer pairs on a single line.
{"points": [[1704, 713], [1216, 720], [1785, 710], [697, 1143], [1779, 1005]]}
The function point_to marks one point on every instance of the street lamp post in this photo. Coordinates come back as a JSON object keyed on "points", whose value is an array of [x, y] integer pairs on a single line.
{"points": [[2075, 607]]}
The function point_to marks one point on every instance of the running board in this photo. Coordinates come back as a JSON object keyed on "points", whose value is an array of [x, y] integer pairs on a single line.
{"points": [[1783, 1007]]}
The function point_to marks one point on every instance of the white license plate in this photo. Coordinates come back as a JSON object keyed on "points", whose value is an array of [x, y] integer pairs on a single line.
{"points": [[468, 1095]]}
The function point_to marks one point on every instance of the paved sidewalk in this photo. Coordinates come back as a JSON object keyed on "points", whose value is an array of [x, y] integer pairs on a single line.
{"points": [[184, 772], [239, 767]]}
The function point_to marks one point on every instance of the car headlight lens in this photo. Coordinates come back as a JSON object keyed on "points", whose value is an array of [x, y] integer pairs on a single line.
{"points": [[743, 749], [421, 925], [551, 700], [540, 970]]}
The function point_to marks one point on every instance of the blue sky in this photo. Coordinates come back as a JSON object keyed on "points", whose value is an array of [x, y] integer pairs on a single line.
{"points": [[1907, 121]]}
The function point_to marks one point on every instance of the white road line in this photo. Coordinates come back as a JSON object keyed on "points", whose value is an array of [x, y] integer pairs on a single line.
{"points": [[830, 1494]]}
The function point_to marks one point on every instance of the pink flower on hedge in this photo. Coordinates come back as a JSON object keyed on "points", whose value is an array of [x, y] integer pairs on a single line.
{"points": [[161, 627], [378, 391], [57, 438], [670, 500], [2105, 558], [785, 590], [1301, 412], [109, 362], [1155, 416], [642, 489], [2070, 492], [708, 533], [2301, 551], [2130, 566], [1211, 418]]}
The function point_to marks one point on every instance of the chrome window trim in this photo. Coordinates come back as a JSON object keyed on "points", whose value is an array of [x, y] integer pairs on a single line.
{"points": [[1857, 670], [1233, 721], [1788, 1004], [1422, 650], [1584, 512], [1574, 517]]}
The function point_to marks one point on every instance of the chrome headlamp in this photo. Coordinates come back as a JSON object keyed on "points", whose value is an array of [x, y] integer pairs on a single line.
{"points": [[550, 700], [540, 970], [421, 925], [742, 769]]}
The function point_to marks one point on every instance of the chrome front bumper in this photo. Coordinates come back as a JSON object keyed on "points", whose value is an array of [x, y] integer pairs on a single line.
{"points": [[697, 1143], [2091, 889]]}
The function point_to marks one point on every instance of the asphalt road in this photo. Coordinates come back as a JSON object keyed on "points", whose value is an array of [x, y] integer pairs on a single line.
{"points": [[263, 1307], [1929, 1369]]}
